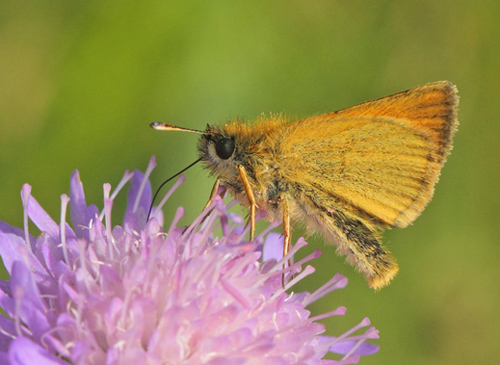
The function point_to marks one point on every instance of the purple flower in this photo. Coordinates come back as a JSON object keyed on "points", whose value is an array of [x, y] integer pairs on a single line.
{"points": [[91, 293]]}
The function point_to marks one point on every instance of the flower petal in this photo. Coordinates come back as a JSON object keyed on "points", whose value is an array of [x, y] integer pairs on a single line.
{"points": [[346, 346], [41, 219], [26, 352], [7, 228], [80, 213], [7, 333], [12, 249], [273, 247]]}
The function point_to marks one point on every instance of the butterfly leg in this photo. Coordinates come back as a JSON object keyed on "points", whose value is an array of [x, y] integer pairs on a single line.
{"points": [[251, 198], [213, 193], [287, 233], [287, 228]]}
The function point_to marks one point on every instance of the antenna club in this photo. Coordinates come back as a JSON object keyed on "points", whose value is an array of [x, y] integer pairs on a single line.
{"points": [[160, 126]]}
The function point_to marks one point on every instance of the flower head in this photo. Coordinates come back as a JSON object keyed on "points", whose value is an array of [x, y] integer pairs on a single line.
{"points": [[136, 293]]}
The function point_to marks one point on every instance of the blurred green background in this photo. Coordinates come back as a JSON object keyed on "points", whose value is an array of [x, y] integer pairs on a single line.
{"points": [[80, 81]]}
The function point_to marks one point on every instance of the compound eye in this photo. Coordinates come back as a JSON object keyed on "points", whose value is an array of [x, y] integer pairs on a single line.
{"points": [[224, 148]]}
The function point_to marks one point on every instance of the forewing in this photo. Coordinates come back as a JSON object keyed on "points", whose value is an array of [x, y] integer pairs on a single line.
{"points": [[381, 166], [431, 108]]}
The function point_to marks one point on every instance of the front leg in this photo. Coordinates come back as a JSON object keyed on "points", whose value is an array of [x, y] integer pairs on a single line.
{"points": [[213, 193], [282, 202], [251, 198], [287, 227]]}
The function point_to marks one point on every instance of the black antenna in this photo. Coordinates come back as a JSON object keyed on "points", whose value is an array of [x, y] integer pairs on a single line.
{"points": [[166, 181]]}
